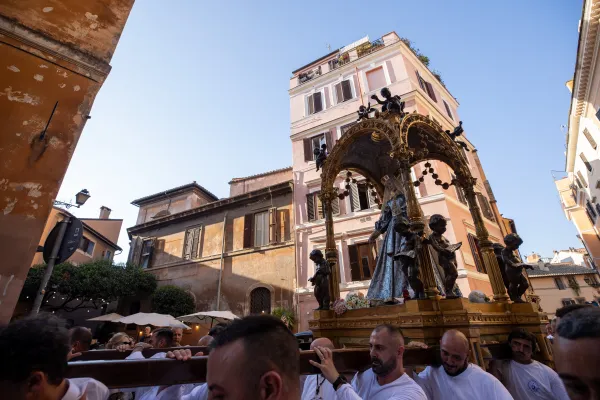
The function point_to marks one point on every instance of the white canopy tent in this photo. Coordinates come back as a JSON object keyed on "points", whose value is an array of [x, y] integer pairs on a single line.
{"points": [[208, 316], [152, 319], [112, 317]]}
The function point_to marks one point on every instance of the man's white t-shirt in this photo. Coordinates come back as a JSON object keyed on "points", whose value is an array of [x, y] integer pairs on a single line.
{"points": [[472, 384], [200, 392], [92, 389], [326, 391], [365, 386], [532, 381]]}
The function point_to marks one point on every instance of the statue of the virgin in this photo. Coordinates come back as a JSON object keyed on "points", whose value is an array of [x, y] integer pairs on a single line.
{"points": [[388, 281]]}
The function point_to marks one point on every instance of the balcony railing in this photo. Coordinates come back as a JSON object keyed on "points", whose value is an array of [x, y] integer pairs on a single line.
{"points": [[346, 56]]}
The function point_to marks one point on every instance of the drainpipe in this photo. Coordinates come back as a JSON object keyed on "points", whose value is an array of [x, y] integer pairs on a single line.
{"points": [[222, 259]]}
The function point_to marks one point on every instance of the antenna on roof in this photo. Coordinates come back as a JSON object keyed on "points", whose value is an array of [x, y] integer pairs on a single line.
{"points": [[328, 46]]}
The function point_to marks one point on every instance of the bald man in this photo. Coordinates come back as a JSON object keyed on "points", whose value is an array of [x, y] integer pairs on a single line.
{"points": [[385, 380], [458, 379], [316, 386], [206, 341]]}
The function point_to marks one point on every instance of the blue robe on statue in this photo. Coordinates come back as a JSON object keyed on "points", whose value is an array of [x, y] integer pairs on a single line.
{"points": [[388, 281]]}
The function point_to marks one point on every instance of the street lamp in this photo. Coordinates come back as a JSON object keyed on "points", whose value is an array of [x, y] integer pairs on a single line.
{"points": [[80, 199]]}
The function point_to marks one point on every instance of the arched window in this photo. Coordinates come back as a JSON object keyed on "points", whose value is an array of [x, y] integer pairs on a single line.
{"points": [[260, 301]]}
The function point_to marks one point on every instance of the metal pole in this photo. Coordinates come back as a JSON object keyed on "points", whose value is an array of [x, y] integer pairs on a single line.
{"points": [[50, 267], [221, 267]]}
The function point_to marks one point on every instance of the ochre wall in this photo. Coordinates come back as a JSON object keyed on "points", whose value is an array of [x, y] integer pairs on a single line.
{"points": [[551, 297], [51, 51]]}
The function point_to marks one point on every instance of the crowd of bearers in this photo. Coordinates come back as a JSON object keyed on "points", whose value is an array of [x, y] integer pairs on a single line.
{"points": [[257, 357]]}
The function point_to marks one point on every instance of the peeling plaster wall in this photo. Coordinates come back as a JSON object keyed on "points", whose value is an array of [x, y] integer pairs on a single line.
{"points": [[42, 61]]}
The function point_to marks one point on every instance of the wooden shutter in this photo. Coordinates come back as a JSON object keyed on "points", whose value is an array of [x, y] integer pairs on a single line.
{"points": [[421, 81], [339, 96], [151, 251], [310, 207], [319, 207], [317, 102], [370, 196], [136, 251], [196, 242], [430, 91], [311, 105], [390, 69], [329, 135], [308, 154], [586, 162], [582, 179], [248, 227], [354, 197], [356, 85], [448, 109], [273, 225], [590, 139], [335, 206], [346, 90], [354, 265], [475, 252], [327, 103]]}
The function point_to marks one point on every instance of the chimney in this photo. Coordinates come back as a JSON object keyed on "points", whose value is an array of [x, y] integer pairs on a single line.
{"points": [[533, 257], [542, 265], [104, 212]]}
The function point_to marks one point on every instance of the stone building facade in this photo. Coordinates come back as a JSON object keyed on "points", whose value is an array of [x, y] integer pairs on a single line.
{"points": [[53, 53], [324, 97], [232, 254]]}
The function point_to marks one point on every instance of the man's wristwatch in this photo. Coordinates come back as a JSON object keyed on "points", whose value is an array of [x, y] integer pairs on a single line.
{"points": [[339, 382]]}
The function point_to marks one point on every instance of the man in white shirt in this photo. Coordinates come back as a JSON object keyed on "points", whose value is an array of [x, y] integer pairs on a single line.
{"points": [[34, 363], [526, 378], [316, 386], [577, 353], [385, 380], [458, 379]]}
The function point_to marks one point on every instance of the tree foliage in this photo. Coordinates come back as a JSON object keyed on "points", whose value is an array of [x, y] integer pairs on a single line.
{"points": [[286, 316], [173, 300], [87, 285]]}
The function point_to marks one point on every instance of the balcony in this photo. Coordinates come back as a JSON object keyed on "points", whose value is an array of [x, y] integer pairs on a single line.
{"points": [[308, 75], [347, 55]]}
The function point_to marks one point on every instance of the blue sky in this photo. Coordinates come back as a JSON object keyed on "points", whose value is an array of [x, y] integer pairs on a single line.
{"points": [[198, 91]]}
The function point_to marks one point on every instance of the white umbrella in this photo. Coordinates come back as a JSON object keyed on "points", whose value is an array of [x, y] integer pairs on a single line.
{"points": [[152, 319], [212, 316], [112, 317]]}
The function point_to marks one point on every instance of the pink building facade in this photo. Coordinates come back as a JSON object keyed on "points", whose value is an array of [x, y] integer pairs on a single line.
{"points": [[324, 98]]}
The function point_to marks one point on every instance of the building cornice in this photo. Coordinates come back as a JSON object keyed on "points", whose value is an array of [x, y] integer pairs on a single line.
{"points": [[587, 53]]}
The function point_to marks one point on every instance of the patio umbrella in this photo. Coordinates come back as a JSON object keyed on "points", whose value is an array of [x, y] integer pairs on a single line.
{"points": [[206, 316], [152, 319], [112, 317]]}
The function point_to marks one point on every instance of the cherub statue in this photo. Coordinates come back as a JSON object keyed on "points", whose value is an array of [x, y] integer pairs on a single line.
{"points": [[514, 268], [363, 112], [446, 252], [320, 279], [458, 131], [320, 155], [390, 103], [410, 243]]}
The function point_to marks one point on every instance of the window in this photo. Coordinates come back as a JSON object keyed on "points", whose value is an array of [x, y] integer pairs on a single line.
{"points": [[107, 254], [426, 86], [580, 300], [147, 249], [590, 139], [486, 209], [476, 253], [460, 194], [362, 261], [448, 110], [360, 196], [580, 185], [560, 284], [86, 245], [192, 243], [261, 229], [567, 302], [597, 205], [590, 210], [582, 179], [260, 301], [376, 78], [343, 91], [312, 144], [315, 103], [344, 128], [314, 207], [591, 280], [586, 162]]}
